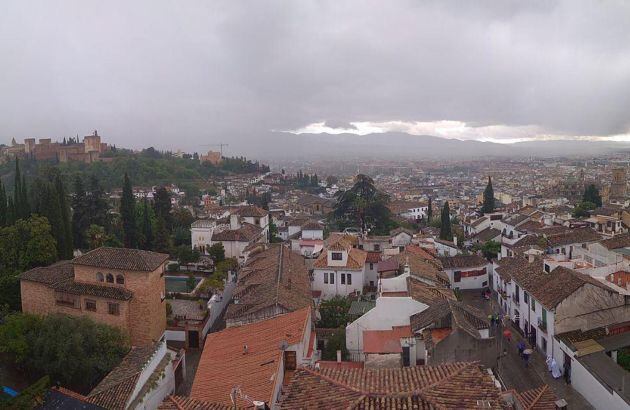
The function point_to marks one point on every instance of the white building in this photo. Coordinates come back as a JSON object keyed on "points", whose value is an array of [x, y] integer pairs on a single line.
{"points": [[201, 234], [466, 271], [339, 271]]}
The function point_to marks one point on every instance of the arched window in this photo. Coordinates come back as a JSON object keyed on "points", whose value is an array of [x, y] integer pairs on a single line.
{"points": [[100, 277], [110, 278], [120, 279]]}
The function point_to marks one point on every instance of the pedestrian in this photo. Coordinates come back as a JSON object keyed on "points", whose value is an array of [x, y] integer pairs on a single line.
{"points": [[521, 347], [526, 354]]}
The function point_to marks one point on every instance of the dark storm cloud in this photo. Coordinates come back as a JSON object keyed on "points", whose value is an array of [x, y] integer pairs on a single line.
{"points": [[180, 74]]}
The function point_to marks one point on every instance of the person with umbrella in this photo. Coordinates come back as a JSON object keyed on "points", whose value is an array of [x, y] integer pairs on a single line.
{"points": [[526, 354]]}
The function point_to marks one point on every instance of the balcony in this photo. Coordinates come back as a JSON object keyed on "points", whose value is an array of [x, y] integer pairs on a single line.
{"points": [[542, 326], [503, 293]]}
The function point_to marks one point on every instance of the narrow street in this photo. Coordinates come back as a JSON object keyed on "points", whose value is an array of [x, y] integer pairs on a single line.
{"points": [[511, 368]]}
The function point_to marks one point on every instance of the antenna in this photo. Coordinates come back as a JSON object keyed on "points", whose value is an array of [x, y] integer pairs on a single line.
{"points": [[220, 145]]}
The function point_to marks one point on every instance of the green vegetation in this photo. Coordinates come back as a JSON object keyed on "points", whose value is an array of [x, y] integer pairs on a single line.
{"points": [[446, 232], [582, 209], [488, 198], [334, 312], [77, 352], [146, 168], [337, 341], [490, 249], [591, 194], [365, 206], [217, 252], [623, 358], [30, 398]]}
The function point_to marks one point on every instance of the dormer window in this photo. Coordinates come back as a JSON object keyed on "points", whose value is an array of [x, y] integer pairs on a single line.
{"points": [[100, 277], [120, 279], [337, 256], [110, 278]]}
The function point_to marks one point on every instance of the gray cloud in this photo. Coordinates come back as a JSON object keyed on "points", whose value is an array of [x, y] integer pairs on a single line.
{"points": [[180, 74]]}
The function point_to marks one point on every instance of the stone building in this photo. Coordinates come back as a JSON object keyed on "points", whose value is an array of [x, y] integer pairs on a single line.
{"points": [[116, 286]]}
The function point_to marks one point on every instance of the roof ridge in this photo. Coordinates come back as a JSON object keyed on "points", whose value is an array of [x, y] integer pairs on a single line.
{"points": [[448, 377], [542, 391]]}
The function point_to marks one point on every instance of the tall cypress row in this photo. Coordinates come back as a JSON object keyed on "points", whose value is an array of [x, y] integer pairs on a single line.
{"points": [[128, 214], [25, 208], [80, 221], [147, 228], [3, 206], [17, 190], [65, 248]]}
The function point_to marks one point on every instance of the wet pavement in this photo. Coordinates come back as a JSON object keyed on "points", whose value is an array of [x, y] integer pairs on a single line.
{"points": [[511, 368]]}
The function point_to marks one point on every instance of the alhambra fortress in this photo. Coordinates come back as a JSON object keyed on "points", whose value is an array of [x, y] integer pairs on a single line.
{"points": [[88, 151]]}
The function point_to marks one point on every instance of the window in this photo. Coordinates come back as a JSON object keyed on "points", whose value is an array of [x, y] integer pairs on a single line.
{"points": [[543, 344], [371, 266], [332, 278], [349, 279], [100, 277], [544, 316], [547, 268], [371, 283], [457, 276], [377, 247], [90, 305], [525, 297], [65, 299], [110, 278], [113, 308], [325, 277], [120, 279], [484, 284], [343, 278], [336, 256], [533, 305]]}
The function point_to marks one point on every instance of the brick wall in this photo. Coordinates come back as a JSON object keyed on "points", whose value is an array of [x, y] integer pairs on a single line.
{"points": [[40, 299]]}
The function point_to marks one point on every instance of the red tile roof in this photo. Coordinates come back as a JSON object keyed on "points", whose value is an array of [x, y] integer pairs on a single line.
{"points": [[447, 386], [385, 341], [224, 364], [122, 258]]}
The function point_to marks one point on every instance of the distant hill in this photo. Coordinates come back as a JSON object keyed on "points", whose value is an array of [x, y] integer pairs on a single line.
{"points": [[276, 145]]}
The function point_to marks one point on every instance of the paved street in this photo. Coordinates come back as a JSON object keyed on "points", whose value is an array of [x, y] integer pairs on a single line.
{"points": [[511, 369]]}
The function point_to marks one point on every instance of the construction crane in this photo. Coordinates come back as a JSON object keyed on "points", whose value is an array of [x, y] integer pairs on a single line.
{"points": [[220, 145]]}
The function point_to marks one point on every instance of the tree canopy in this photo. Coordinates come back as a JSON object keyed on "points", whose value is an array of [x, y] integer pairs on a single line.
{"points": [[446, 231], [591, 194], [75, 351], [488, 198], [364, 206]]}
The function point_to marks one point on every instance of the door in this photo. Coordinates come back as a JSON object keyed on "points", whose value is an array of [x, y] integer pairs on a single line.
{"points": [[405, 356], [193, 339], [290, 360], [567, 368]]}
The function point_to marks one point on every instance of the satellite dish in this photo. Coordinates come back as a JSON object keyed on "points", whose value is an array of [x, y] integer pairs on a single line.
{"points": [[283, 345]]}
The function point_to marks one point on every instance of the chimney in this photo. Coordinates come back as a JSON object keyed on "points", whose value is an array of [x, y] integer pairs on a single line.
{"points": [[338, 356], [530, 258], [259, 405], [234, 222], [455, 240]]}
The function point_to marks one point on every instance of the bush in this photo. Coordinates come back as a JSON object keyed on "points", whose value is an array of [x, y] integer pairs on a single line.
{"points": [[77, 352], [336, 342], [172, 267], [334, 312]]}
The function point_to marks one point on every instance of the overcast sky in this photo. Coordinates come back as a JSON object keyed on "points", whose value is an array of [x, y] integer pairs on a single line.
{"points": [[180, 74]]}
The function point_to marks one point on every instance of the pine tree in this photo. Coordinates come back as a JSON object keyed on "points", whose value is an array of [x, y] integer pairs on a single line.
{"points": [[80, 217], [147, 228], [446, 232], [64, 248], [3, 206], [488, 198], [128, 214]]}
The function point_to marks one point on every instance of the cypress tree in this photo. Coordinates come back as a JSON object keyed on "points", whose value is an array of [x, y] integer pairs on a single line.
{"points": [[97, 204], [446, 232], [488, 198], [430, 211], [65, 248], [17, 190], [147, 229], [50, 205], [3, 206], [10, 211], [162, 206], [128, 214], [80, 217], [24, 203]]}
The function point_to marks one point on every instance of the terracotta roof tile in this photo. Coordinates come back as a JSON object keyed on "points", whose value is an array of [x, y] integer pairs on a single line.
{"points": [[224, 364], [122, 258], [246, 233], [462, 261], [447, 386], [540, 398]]}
